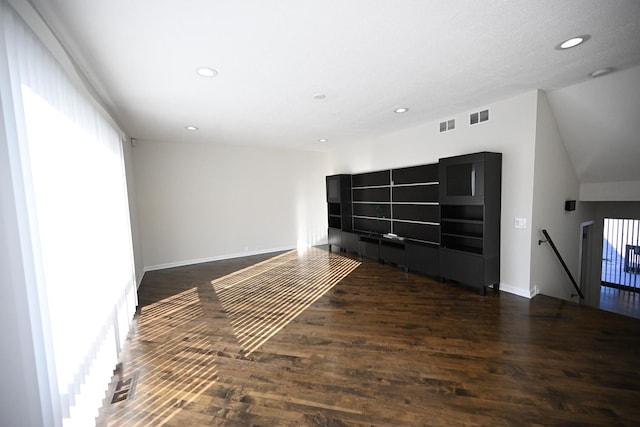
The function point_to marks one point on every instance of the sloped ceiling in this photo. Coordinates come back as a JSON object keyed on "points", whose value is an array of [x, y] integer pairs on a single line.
{"points": [[599, 121], [365, 57]]}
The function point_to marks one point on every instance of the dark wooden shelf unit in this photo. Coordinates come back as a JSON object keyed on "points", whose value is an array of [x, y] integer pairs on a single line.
{"points": [[404, 202], [339, 208], [415, 203], [441, 219], [371, 202], [470, 192]]}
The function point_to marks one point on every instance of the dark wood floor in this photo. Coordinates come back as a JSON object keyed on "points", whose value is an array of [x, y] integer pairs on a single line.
{"points": [[380, 347], [620, 301]]}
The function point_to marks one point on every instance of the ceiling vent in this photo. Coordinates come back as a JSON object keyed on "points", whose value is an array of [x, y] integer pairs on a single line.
{"points": [[479, 117], [447, 125]]}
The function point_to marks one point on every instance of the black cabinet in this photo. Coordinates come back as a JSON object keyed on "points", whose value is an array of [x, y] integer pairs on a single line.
{"points": [[402, 201], [415, 201], [350, 241], [392, 251], [422, 258], [339, 210], [441, 219], [369, 247], [372, 202], [395, 217], [470, 191]]}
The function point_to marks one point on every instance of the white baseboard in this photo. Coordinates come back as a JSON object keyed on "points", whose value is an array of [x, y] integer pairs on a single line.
{"points": [[516, 291], [216, 258]]}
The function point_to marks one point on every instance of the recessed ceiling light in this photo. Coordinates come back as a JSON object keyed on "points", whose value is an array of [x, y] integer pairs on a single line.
{"points": [[323, 140], [207, 72], [601, 72], [319, 96], [401, 110], [191, 128], [572, 42]]}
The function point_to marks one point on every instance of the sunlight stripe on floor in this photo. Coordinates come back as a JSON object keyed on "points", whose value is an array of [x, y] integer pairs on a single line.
{"points": [[261, 302], [175, 372]]}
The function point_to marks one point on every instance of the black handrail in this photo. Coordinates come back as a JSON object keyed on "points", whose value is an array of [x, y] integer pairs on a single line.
{"points": [[553, 246]]}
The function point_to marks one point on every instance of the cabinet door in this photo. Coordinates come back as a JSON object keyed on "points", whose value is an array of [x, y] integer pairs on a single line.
{"points": [[349, 241], [333, 189], [462, 179], [462, 267], [369, 247], [422, 258], [392, 252], [335, 237]]}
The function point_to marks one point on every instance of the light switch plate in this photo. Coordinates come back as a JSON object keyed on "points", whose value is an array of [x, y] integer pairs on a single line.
{"points": [[520, 223]]}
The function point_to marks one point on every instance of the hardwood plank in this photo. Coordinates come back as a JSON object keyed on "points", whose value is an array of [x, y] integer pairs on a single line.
{"points": [[380, 347]]}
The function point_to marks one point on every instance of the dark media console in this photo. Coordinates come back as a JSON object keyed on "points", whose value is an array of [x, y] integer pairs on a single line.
{"points": [[440, 219]]}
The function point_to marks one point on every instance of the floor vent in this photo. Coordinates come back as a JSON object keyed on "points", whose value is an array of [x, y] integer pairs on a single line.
{"points": [[125, 389], [479, 117]]}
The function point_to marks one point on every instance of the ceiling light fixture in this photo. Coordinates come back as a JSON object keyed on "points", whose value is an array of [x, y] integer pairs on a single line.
{"points": [[601, 72], [401, 110], [191, 128], [323, 140], [572, 42], [207, 72]]}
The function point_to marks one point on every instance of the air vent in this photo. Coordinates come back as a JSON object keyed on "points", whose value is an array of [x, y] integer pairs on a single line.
{"points": [[447, 125], [479, 117], [125, 389]]}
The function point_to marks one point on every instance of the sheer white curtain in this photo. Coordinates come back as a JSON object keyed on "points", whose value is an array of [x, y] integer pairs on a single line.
{"points": [[73, 167]]}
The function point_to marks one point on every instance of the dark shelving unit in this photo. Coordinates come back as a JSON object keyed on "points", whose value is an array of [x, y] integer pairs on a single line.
{"points": [[371, 195], [440, 219], [395, 217], [339, 208], [470, 191]]}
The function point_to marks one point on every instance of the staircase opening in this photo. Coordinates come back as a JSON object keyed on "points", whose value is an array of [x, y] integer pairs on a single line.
{"points": [[620, 280]]}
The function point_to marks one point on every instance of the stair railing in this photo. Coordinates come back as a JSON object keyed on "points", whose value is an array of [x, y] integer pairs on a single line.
{"points": [[566, 269]]}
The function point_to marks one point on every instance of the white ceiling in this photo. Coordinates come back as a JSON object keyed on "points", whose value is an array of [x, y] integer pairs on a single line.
{"points": [[368, 57]]}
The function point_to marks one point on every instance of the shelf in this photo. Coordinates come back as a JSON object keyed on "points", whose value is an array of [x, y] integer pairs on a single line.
{"points": [[373, 218], [465, 249], [413, 174], [414, 184], [369, 187], [462, 212], [338, 205], [372, 195], [415, 193], [408, 221], [335, 222], [421, 213], [465, 236], [372, 210], [371, 179], [334, 209], [462, 221]]}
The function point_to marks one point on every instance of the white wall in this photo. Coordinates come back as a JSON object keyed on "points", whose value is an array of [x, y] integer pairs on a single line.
{"points": [[555, 181], [621, 191], [511, 130], [200, 202]]}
